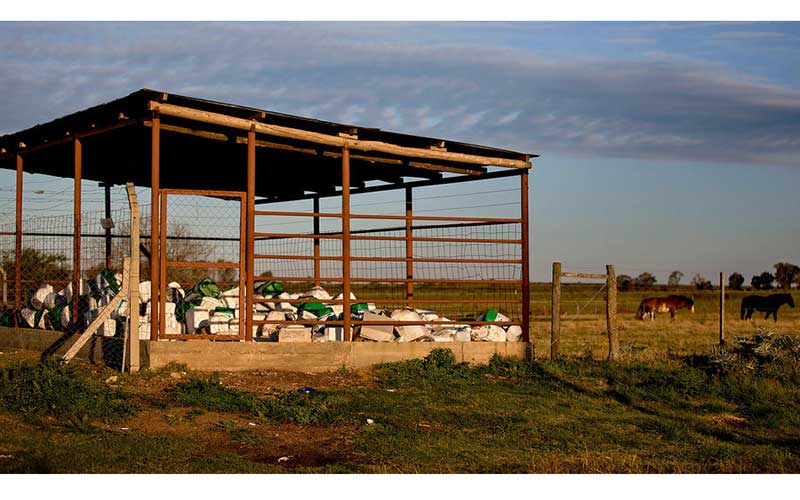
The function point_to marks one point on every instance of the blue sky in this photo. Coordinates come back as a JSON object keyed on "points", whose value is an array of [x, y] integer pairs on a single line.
{"points": [[664, 145]]}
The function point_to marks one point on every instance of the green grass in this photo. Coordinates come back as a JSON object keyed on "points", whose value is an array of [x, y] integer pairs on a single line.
{"points": [[55, 389], [679, 414], [210, 394]]}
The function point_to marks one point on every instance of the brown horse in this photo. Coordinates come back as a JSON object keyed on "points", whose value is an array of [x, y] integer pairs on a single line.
{"points": [[651, 305]]}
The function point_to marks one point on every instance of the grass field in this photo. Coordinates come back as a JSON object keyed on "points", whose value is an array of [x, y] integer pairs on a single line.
{"points": [[583, 324], [585, 335], [664, 415]]}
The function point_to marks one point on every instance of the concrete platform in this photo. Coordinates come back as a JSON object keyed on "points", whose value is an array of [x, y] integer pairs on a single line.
{"points": [[239, 356]]}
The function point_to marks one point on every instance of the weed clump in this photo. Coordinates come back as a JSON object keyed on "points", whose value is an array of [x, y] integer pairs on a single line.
{"points": [[209, 393], [764, 354], [437, 367], [53, 388]]}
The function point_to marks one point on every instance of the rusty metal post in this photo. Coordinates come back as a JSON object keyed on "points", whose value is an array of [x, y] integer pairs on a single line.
{"points": [[409, 248], [155, 168], [76, 214], [107, 193], [162, 266], [316, 244], [526, 278], [611, 313], [721, 308], [250, 237], [18, 239], [346, 243], [555, 312]]}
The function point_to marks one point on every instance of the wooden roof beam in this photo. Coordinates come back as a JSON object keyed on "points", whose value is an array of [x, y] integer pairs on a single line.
{"points": [[331, 140]]}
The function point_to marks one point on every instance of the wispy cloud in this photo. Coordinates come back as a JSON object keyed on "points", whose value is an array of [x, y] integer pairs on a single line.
{"points": [[378, 75]]}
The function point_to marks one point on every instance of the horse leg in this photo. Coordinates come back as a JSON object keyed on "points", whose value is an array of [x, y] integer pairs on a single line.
{"points": [[672, 313]]}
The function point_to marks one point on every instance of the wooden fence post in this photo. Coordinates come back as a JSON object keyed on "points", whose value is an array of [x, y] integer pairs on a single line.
{"points": [[721, 308], [555, 312], [132, 358], [611, 312]]}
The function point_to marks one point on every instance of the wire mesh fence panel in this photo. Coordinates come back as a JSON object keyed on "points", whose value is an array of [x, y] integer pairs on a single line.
{"points": [[44, 295]]}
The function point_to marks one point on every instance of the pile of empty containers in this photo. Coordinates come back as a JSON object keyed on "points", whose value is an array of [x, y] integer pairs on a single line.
{"points": [[49, 309], [206, 309]]}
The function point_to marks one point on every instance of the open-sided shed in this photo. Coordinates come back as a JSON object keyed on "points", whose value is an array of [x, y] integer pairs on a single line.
{"points": [[188, 148]]}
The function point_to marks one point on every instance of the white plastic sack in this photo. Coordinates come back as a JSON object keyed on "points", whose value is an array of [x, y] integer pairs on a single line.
{"points": [[144, 291], [408, 333], [514, 333], [40, 296], [230, 298], [319, 293], [489, 333], [50, 300], [194, 317]]}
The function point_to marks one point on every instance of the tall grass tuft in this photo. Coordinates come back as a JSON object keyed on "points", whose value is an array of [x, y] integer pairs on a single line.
{"points": [[209, 393], [53, 388]]}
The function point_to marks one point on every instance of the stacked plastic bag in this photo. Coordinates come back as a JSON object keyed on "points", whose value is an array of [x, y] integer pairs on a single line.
{"points": [[51, 310], [206, 309]]}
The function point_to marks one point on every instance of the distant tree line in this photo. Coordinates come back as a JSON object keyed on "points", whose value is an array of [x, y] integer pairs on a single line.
{"points": [[786, 275]]}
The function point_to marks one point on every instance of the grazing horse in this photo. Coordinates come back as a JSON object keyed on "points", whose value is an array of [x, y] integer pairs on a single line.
{"points": [[651, 305], [768, 304]]}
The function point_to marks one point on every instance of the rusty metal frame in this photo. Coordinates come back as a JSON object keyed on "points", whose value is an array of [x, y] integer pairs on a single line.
{"points": [[245, 333], [346, 236]]}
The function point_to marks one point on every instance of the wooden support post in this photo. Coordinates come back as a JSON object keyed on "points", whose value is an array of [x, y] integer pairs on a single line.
{"points": [[132, 357], [346, 243], [409, 247], [317, 262], [611, 312], [555, 313], [76, 215], [107, 199], [155, 157], [721, 308], [18, 239], [250, 236], [525, 250], [103, 314]]}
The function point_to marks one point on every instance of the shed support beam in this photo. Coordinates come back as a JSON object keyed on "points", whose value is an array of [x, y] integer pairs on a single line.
{"points": [[76, 246], [409, 247], [18, 239], [250, 237], [155, 256], [330, 140], [316, 243], [526, 285], [107, 200], [348, 333]]}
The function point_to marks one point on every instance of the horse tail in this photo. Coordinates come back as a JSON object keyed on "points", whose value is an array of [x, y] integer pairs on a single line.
{"points": [[640, 311]]}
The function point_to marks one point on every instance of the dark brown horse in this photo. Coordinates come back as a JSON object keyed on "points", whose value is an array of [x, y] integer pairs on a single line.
{"points": [[671, 303], [768, 304]]}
